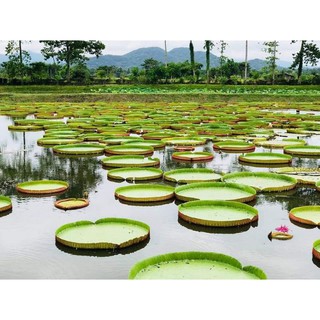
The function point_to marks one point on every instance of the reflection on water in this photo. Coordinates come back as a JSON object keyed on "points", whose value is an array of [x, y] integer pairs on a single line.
{"points": [[27, 234]]}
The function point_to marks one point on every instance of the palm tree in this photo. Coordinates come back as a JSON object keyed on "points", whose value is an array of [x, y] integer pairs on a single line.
{"points": [[208, 45]]}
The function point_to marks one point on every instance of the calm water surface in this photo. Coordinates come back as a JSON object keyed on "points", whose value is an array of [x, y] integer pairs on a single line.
{"points": [[27, 234]]}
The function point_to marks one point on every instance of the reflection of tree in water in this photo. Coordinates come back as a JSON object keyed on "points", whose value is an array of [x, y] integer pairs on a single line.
{"points": [[81, 173], [300, 196], [310, 162]]}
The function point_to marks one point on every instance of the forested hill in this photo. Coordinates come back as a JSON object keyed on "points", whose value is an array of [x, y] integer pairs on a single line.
{"points": [[137, 57]]}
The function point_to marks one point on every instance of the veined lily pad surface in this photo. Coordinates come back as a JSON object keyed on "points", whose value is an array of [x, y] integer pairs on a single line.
{"points": [[71, 203], [42, 186], [5, 203], [107, 233], [215, 191], [266, 158], [303, 150], [306, 214], [262, 181], [217, 213], [234, 146], [137, 174], [192, 156], [191, 175], [145, 192], [79, 149], [127, 149], [130, 161], [193, 265]]}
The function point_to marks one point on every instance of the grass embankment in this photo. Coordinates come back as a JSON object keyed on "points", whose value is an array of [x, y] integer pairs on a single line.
{"points": [[160, 93]]}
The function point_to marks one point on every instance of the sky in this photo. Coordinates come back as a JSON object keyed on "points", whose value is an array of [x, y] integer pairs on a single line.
{"points": [[235, 48]]}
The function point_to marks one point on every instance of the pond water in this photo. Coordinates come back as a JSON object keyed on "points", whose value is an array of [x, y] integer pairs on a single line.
{"points": [[27, 234]]}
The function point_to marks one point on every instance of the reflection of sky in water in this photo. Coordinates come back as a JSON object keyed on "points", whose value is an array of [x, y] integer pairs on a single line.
{"points": [[27, 242]]}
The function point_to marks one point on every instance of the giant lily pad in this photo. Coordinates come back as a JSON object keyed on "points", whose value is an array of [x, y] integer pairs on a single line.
{"points": [[191, 175], [145, 192], [306, 214], [120, 140], [265, 157], [57, 141], [303, 150], [79, 149], [42, 186], [303, 175], [71, 203], [155, 144], [215, 191], [107, 233], [280, 143], [316, 249], [194, 265], [234, 146], [217, 213], [130, 161], [184, 141], [137, 174], [262, 181], [192, 156], [127, 149], [5, 204]]}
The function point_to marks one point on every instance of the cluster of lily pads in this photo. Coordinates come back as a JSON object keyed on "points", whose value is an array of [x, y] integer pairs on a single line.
{"points": [[128, 136]]}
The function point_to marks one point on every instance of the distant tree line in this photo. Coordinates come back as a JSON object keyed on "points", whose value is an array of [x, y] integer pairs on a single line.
{"points": [[66, 64]]}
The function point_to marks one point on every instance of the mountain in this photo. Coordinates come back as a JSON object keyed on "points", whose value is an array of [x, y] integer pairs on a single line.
{"points": [[258, 64], [136, 58]]}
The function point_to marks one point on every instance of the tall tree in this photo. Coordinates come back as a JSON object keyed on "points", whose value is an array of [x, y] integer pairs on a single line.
{"points": [[18, 59], [309, 53], [71, 52], [222, 45], [208, 45], [271, 48], [246, 63], [191, 49]]}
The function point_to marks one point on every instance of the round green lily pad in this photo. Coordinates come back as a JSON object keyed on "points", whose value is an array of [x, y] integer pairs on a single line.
{"points": [[71, 203], [262, 181], [79, 149], [234, 146], [145, 192], [137, 174], [280, 143], [306, 214], [215, 191], [265, 157], [192, 156], [184, 141], [42, 186], [120, 140], [316, 249], [107, 233], [57, 141], [191, 175], [155, 144], [217, 213], [193, 265], [5, 203], [303, 175], [130, 161], [126, 149], [303, 150]]}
